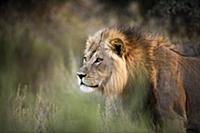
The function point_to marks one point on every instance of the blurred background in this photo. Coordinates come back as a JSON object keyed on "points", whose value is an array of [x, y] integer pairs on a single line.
{"points": [[41, 44]]}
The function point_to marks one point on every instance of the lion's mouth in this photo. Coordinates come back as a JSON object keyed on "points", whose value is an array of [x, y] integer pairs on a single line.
{"points": [[93, 86]]}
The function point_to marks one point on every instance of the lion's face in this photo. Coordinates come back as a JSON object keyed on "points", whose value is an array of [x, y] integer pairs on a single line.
{"points": [[104, 66]]}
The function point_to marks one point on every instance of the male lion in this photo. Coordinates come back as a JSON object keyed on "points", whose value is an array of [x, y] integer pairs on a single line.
{"points": [[123, 62]]}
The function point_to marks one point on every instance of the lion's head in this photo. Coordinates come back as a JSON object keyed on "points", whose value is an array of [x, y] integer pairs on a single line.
{"points": [[106, 57], [104, 66]]}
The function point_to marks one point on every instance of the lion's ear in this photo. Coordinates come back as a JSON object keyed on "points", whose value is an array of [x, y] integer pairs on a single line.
{"points": [[118, 46]]}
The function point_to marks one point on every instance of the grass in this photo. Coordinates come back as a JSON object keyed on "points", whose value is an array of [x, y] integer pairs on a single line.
{"points": [[38, 85]]}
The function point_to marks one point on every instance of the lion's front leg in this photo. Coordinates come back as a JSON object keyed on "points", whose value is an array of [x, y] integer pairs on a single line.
{"points": [[172, 115], [171, 122]]}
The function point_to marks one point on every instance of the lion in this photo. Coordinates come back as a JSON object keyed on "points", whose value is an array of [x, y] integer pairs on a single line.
{"points": [[122, 62]]}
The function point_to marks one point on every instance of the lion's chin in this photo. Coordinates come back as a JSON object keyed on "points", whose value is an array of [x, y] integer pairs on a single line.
{"points": [[86, 89]]}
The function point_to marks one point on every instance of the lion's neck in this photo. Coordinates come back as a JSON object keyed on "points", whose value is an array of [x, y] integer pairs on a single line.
{"points": [[137, 90], [133, 99]]}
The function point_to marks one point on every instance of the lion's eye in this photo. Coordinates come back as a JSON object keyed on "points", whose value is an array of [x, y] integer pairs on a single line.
{"points": [[98, 60]]}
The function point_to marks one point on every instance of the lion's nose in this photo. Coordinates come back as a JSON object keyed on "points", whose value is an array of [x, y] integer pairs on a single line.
{"points": [[81, 75]]}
